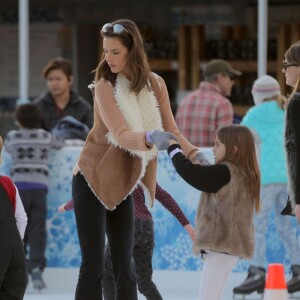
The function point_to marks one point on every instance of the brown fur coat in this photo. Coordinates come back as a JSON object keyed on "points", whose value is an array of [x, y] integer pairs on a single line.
{"points": [[224, 220], [115, 159]]}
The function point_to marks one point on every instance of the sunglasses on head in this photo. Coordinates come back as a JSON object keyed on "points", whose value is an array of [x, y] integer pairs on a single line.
{"points": [[114, 28], [287, 64]]}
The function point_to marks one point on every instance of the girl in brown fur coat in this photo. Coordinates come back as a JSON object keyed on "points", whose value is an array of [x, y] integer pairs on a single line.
{"points": [[230, 195]]}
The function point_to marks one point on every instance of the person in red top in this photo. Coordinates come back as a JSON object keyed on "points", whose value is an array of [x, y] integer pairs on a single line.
{"points": [[143, 242], [204, 110], [13, 221]]}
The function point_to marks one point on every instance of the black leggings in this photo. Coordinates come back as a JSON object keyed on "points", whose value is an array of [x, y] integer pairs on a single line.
{"points": [[93, 221]]}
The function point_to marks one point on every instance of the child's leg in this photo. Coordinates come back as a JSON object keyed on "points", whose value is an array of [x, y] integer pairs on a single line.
{"points": [[38, 237], [142, 253], [215, 272], [35, 205]]}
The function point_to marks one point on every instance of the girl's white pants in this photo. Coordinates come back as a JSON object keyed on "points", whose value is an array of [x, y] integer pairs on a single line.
{"points": [[216, 269]]}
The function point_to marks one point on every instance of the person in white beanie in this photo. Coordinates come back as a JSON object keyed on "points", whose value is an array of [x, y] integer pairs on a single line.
{"points": [[266, 120], [266, 88]]}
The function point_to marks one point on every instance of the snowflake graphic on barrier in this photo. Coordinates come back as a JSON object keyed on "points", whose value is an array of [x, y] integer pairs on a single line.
{"points": [[179, 255], [165, 163]]}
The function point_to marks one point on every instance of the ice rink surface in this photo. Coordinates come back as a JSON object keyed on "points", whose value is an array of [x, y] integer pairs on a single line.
{"points": [[172, 285]]}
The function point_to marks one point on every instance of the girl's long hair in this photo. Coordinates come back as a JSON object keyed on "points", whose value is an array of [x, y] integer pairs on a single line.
{"points": [[280, 100], [292, 55], [137, 61], [240, 151]]}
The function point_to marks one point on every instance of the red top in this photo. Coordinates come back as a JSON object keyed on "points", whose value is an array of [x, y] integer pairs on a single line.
{"points": [[10, 189]]}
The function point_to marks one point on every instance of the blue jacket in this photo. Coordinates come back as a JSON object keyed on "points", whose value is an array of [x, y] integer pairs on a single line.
{"points": [[267, 120]]}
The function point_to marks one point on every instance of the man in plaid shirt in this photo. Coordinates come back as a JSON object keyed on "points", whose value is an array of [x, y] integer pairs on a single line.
{"points": [[202, 111]]}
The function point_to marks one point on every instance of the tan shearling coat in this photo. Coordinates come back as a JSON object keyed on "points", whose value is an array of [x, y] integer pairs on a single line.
{"points": [[224, 220], [113, 170]]}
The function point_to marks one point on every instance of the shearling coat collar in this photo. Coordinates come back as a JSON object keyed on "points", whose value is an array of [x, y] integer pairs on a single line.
{"points": [[224, 220], [140, 112]]}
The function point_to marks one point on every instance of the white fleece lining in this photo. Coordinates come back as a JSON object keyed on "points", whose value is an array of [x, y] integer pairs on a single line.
{"points": [[141, 113], [147, 195]]}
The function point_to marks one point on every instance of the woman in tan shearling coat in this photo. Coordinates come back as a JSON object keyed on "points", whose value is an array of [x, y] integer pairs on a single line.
{"points": [[131, 111], [230, 194]]}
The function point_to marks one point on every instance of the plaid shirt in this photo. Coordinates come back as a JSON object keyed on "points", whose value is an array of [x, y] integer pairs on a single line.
{"points": [[201, 112]]}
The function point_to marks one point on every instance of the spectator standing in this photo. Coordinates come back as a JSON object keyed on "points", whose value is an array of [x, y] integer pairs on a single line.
{"points": [[29, 147], [60, 100], [266, 121], [204, 110], [291, 70], [13, 222]]}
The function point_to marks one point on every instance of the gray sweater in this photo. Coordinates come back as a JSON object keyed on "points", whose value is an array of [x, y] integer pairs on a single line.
{"points": [[29, 150]]}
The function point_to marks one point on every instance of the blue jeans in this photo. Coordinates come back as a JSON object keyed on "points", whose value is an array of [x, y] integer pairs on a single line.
{"points": [[93, 221], [273, 196]]}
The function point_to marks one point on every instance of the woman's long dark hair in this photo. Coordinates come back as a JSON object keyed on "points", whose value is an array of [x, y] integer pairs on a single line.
{"points": [[137, 63]]}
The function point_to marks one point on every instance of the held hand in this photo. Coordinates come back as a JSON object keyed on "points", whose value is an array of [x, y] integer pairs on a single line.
{"points": [[297, 212], [62, 208], [201, 158], [191, 231], [161, 139]]}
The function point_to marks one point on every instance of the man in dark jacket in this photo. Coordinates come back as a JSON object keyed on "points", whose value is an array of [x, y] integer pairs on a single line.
{"points": [[60, 100]]}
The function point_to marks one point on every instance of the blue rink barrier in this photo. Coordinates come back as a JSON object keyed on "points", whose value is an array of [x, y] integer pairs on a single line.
{"points": [[173, 247]]}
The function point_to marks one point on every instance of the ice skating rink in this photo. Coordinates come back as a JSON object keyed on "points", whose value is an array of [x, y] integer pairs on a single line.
{"points": [[174, 285]]}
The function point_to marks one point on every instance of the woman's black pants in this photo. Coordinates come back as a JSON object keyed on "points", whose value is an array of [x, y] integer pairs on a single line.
{"points": [[93, 221]]}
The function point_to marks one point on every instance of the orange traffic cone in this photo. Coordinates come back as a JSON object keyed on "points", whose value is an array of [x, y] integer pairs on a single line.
{"points": [[275, 288]]}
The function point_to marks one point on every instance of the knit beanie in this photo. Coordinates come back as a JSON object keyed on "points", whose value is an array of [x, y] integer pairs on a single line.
{"points": [[265, 87]]}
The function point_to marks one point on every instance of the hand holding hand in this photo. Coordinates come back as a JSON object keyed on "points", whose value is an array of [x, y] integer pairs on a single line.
{"points": [[201, 158], [161, 139]]}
